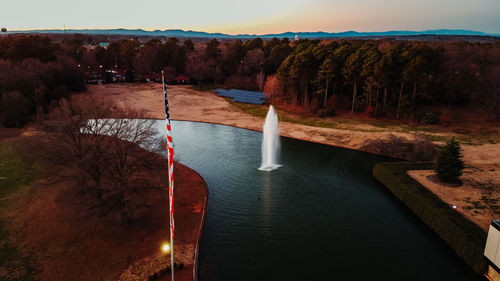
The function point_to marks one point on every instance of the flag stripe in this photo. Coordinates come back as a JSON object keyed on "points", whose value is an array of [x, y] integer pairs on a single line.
{"points": [[170, 150]]}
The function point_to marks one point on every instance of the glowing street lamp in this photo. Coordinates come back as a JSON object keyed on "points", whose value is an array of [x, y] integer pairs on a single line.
{"points": [[165, 247]]}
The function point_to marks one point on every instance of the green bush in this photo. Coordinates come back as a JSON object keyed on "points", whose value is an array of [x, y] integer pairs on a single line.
{"points": [[448, 163], [463, 236]]}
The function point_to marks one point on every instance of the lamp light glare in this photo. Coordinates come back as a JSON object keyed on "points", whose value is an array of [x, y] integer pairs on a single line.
{"points": [[165, 247]]}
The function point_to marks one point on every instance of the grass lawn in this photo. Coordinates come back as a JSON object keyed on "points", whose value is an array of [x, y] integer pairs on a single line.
{"points": [[15, 175]]}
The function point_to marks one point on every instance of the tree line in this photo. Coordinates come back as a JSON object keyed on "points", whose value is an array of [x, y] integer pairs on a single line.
{"points": [[212, 61], [391, 78], [378, 77], [34, 72]]}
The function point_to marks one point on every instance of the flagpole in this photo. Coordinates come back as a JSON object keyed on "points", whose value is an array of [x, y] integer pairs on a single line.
{"points": [[172, 254], [170, 183]]}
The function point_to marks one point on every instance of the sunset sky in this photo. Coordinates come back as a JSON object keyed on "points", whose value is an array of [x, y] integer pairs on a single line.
{"points": [[254, 17]]}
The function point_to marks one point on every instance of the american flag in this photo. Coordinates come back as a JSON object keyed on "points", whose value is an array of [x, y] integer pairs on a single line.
{"points": [[170, 150]]}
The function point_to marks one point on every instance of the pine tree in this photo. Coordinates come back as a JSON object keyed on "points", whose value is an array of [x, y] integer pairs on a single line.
{"points": [[448, 163]]}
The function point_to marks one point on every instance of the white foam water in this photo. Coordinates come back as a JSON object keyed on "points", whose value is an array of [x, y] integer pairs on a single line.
{"points": [[270, 142]]}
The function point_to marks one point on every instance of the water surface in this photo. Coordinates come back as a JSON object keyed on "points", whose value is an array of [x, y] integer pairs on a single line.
{"points": [[322, 216]]}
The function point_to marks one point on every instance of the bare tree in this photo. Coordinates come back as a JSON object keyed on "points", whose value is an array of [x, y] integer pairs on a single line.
{"points": [[420, 148], [260, 78], [423, 148], [273, 88], [103, 158], [197, 67], [252, 62]]}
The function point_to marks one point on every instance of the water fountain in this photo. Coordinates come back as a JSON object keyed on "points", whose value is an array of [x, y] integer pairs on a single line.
{"points": [[270, 142]]}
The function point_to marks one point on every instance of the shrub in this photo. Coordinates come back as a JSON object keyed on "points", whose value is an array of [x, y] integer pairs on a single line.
{"points": [[370, 111], [392, 145], [15, 109], [445, 117], [423, 149], [327, 113], [462, 131], [240, 82], [418, 149], [448, 163], [311, 107], [430, 119]]}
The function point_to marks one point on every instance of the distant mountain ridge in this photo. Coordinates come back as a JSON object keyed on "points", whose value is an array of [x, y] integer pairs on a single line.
{"points": [[202, 34]]}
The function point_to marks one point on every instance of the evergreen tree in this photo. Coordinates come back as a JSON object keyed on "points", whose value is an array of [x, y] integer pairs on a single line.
{"points": [[448, 163]]}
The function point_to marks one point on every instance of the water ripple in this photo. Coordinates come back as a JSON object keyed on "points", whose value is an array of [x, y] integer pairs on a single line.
{"points": [[319, 217]]}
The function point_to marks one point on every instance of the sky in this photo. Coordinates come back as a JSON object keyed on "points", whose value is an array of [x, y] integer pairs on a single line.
{"points": [[253, 17]]}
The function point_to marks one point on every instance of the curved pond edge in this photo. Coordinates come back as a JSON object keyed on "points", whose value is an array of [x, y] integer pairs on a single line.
{"points": [[463, 236], [200, 230]]}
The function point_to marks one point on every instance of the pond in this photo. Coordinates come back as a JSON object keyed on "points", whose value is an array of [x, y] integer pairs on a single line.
{"points": [[321, 216]]}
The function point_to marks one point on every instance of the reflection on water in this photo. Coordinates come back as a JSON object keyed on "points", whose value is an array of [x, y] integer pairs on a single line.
{"points": [[266, 199], [321, 216]]}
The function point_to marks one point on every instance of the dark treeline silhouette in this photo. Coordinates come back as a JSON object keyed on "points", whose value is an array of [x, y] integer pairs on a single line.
{"points": [[391, 78], [378, 77], [33, 73]]}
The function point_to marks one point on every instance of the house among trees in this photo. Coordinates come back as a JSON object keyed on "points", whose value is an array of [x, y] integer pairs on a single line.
{"points": [[182, 79], [113, 75]]}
